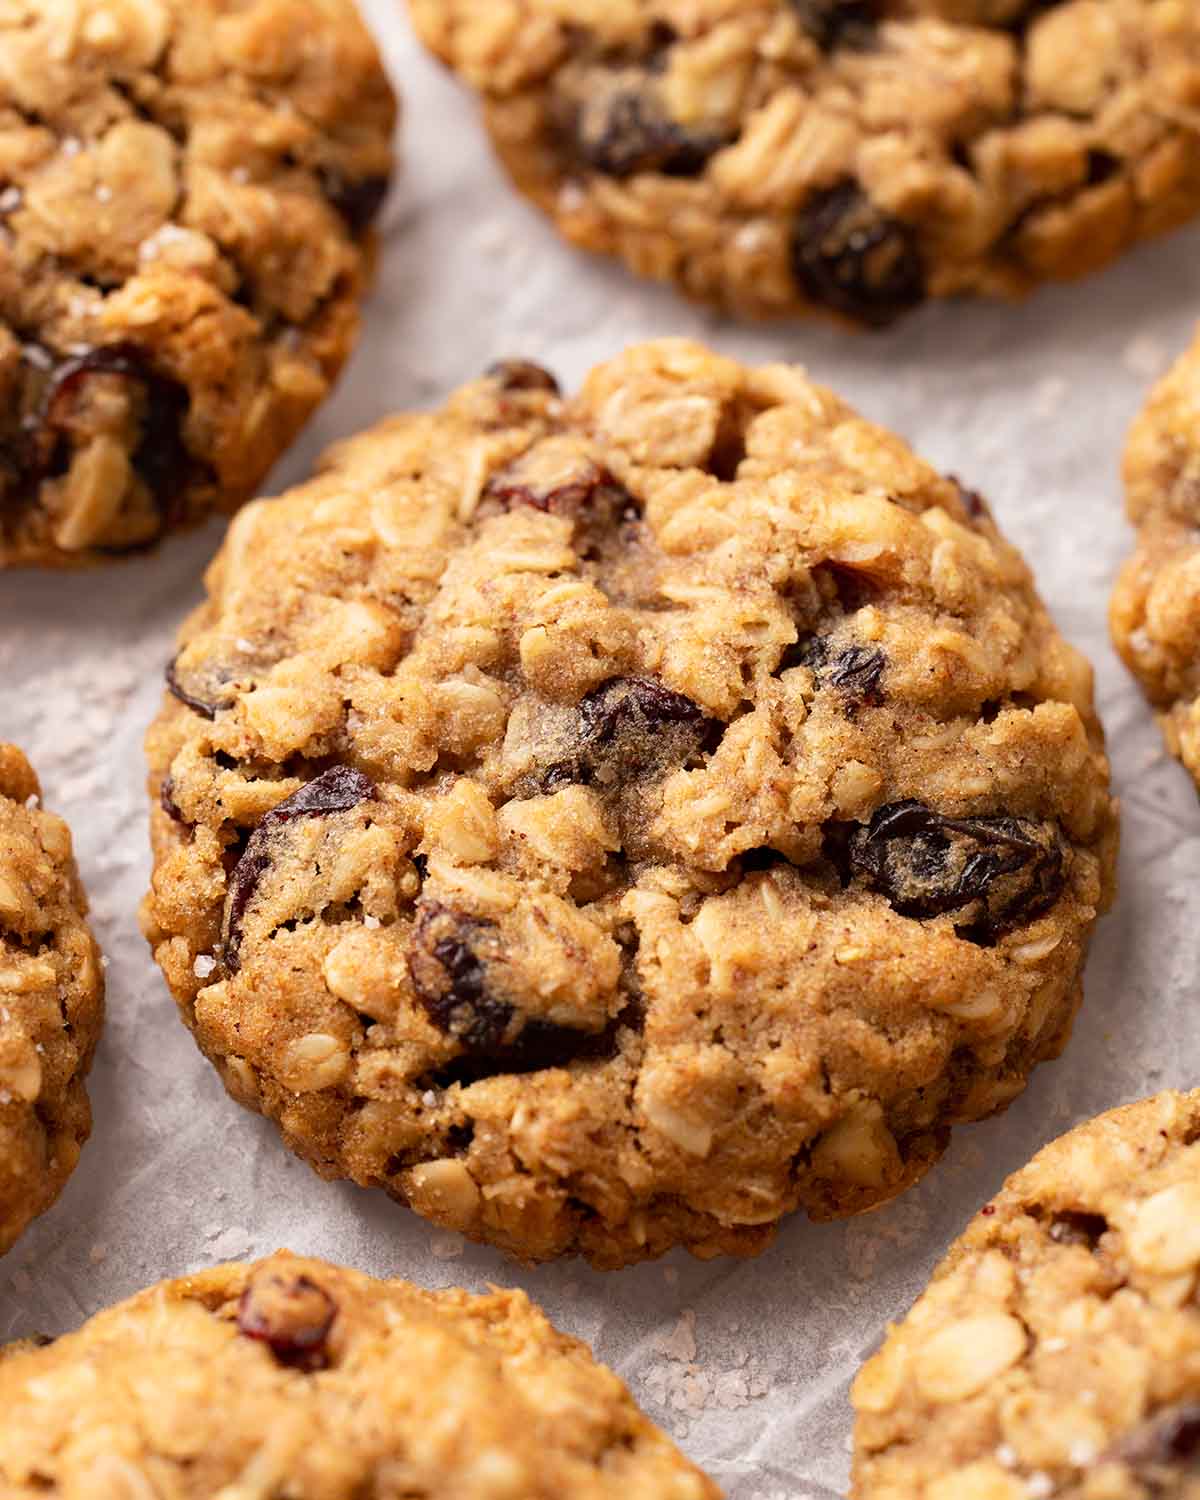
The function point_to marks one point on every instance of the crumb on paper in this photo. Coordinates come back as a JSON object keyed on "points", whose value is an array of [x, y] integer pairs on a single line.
{"points": [[97, 1254], [446, 1245]]}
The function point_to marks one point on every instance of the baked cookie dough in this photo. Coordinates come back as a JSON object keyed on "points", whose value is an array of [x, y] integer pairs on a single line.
{"points": [[1155, 612], [612, 823], [51, 1001], [186, 194], [851, 157], [292, 1376], [1057, 1349]]}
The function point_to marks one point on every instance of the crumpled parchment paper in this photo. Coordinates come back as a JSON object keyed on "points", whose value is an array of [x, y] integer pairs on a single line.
{"points": [[746, 1363]]}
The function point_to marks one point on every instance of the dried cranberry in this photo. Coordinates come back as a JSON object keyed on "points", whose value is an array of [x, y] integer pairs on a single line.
{"points": [[838, 23], [337, 790], [358, 202], [522, 375], [292, 1315], [1166, 1444], [1073, 1228], [849, 256], [629, 131], [856, 671], [926, 864]]}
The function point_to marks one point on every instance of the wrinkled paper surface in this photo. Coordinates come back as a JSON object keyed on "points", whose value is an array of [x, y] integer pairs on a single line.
{"points": [[746, 1363]]}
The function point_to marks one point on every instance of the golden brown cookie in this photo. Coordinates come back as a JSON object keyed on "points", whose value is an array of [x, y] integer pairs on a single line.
{"points": [[1155, 612], [844, 156], [295, 1377], [613, 823], [186, 194], [51, 1001], [1056, 1352]]}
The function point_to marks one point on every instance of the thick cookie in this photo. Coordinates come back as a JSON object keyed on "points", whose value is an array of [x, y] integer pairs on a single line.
{"points": [[51, 1002], [612, 823], [1155, 613], [294, 1377], [186, 192], [847, 156], [1057, 1349]]}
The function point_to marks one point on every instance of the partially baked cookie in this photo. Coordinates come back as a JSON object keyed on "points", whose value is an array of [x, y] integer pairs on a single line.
{"points": [[1155, 612], [186, 194], [295, 1377], [612, 823], [844, 156], [1057, 1349], [51, 1001]]}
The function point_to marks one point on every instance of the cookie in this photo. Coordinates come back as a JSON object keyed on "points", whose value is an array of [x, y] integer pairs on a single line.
{"points": [[1155, 612], [1056, 1351], [612, 823], [849, 157], [51, 1001], [292, 1376], [186, 194]]}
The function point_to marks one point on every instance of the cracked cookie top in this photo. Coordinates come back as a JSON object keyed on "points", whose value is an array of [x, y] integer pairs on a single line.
{"points": [[614, 822], [1155, 613], [851, 157], [1057, 1349], [293, 1376], [51, 1001], [186, 193]]}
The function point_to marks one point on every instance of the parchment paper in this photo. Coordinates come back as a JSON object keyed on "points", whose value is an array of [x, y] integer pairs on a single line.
{"points": [[747, 1363]]}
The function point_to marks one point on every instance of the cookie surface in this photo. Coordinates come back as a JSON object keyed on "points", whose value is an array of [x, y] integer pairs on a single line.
{"points": [[613, 823], [845, 156], [51, 1001], [186, 193], [1057, 1349], [1155, 613], [292, 1376]]}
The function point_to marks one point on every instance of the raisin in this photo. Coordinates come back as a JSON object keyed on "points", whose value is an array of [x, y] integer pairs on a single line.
{"points": [[211, 685], [1074, 1228], [1009, 870], [290, 1314], [540, 1045], [856, 671], [851, 257], [207, 708], [631, 727], [973, 502], [358, 203], [522, 375], [35, 442], [336, 790], [838, 23], [1164, 1446], [450, 977], [627, 130], [166, 800], [553, 487]]}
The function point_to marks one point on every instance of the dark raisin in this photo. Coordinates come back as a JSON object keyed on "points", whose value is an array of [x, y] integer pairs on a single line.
{"points": [[207, 708], [1074, 1228], [522, 375], [291, 1314], [336, 790], [450, 977], [838, 23], [358, 203], [849, 256], [211, 684], [35, 435], [1164, 1446], [166, 799], [539, 1046], [627, 130], [856, 671], [973, 502], [1007, 870]]}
